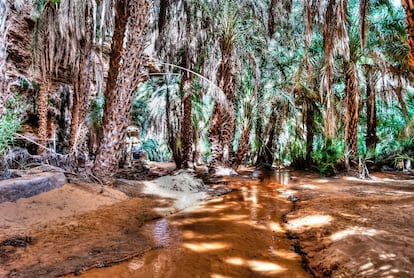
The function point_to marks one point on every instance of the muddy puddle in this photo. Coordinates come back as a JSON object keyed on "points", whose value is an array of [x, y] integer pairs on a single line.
{"points": [[240, 234]]}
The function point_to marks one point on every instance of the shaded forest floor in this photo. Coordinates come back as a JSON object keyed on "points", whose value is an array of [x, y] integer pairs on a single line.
{"points": [[342, 226]]}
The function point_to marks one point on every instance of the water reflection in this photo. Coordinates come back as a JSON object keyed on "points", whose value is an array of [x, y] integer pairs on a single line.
{"points": [[240, 234], [162, 232], [278, 176], [282, 177]]}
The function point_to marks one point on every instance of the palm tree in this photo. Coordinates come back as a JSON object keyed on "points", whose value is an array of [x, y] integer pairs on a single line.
{"points": [[81, 76], [221, 130], [63, 39], [187, 104], [125, 74], [409, 10]]}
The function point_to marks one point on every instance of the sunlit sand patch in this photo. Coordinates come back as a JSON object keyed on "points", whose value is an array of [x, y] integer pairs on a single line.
{"points": [[275, 227], [353, 231], [135, 265], [216, 200], [233, 217], [189, 235], [261, 266], [311, 221], [204, 246], [322, 180], [255, 265], [309, 186], [286, 192], [214, 275], [285, 254], [388, 256], [349, 215], [235, 261]]}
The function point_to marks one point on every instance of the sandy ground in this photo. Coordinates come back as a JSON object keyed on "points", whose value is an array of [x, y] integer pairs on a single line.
{"points": [[75, 227], [349, 227], [342, 226]]}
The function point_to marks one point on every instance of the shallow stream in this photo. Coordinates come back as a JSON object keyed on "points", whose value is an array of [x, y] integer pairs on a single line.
{"points": [[240, 234]]}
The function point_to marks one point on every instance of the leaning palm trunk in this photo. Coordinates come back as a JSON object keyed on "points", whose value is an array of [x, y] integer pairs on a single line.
{"points": [[352, 111], [4, 7], [409, 11], [127, 75]]}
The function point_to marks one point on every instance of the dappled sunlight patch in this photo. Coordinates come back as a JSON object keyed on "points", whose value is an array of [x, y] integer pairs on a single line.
{"points": [[322, 180], [205, 246], [233, 217], [352, 179], [216, 200], [387, 270], [261, 266], [275, 227], [312, 221], [309, 186], [190, 235], [286, 192], [388, 256], [135, 265], [215, 275], [235, 261], [289, 255], [353, 231], [256, 265]]}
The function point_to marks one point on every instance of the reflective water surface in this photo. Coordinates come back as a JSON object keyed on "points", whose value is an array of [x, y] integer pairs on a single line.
{"points": [[240, 234]]}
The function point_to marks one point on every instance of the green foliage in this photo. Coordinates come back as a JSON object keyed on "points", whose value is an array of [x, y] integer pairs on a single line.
{"points": [[156, 151], [40, 5], [327, 156], [96, 113], [10, 122]]}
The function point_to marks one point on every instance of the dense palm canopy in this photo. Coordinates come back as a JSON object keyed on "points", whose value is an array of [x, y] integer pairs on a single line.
{"points": [[320, 83]]}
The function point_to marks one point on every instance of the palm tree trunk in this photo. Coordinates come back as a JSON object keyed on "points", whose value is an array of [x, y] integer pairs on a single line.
{"points": [[186, 131], [81, 82], [42, 107], [221, 131], [310, 125], [266, 155], [244, 145], [352, 111], [371, 137], [126, 76], [409, 19], [173, 139]]}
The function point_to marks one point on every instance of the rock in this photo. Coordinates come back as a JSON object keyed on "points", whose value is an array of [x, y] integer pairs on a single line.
{"points": [[19, 38], [27, 186]]}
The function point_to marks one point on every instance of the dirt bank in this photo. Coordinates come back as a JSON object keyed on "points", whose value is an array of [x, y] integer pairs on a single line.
{"points": [[355, 228]]}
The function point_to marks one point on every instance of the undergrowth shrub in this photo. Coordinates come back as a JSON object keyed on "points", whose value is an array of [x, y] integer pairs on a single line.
{"points": [[327, 156], [10, 122]]}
